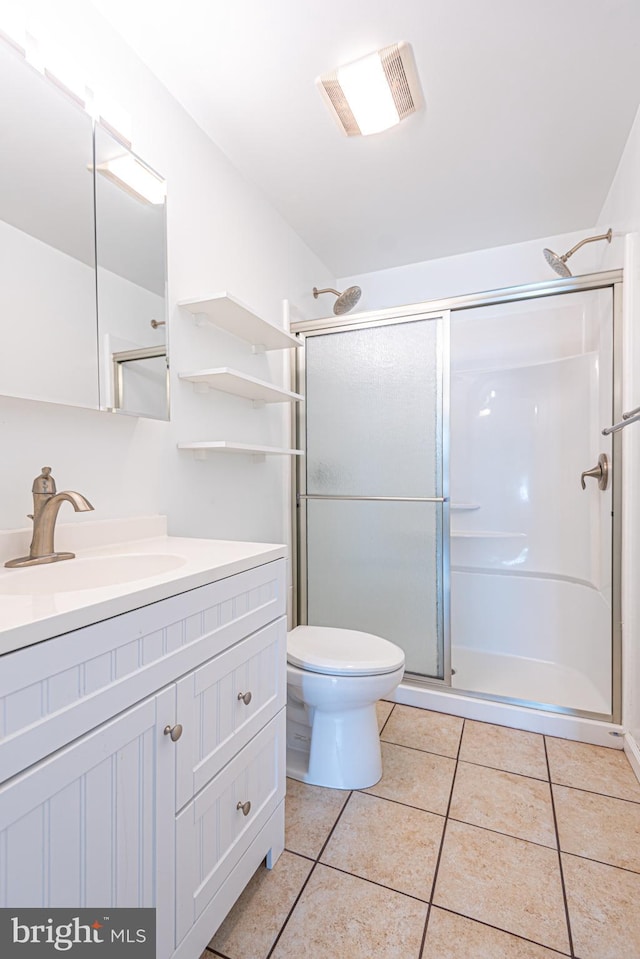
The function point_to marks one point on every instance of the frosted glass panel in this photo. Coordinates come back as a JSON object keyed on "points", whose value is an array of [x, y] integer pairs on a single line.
{"points": [[377, 567], [374, 411]]}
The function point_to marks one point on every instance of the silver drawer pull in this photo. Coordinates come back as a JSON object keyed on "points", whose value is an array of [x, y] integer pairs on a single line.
{"points": [[245, 807], [174, 731], [245, 697]]}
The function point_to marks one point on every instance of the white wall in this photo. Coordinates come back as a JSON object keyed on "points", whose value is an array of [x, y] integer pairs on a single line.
{"points": [[621, 211], [222, 235], [48, 310], [475, 272]]}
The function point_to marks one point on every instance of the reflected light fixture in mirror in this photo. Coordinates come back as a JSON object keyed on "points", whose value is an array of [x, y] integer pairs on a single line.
{"points": [[135, 178], [375, 92]]}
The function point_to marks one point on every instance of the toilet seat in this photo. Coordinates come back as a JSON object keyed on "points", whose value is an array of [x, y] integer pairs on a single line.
{"points": [[342, 652]]}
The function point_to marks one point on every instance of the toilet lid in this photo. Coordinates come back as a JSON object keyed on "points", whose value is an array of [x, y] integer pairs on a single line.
{"points": [[342, 652]]}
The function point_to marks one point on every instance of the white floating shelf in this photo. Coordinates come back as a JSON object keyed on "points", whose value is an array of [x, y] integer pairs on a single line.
{"points": [[239, 384], [228, 313], [223, 446]]}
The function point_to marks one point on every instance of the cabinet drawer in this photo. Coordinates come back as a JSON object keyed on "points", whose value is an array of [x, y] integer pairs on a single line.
{"points": [[216, 722], [53, 692], [212, 832]]}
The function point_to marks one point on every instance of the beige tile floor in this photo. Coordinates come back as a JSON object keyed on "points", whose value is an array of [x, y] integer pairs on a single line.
{"points": [[479, 842]]}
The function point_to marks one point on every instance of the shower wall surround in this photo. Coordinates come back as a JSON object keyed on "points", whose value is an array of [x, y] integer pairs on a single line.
{"points": [[531, 552]]}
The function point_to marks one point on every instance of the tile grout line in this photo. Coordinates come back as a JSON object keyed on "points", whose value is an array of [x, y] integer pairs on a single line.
{"points": [[444, 832], [374, 882], [416, 749], [594, 792], [501, 769], [507, 835], [475, 825], [512, 772], [316, 862], [453, 912], [399, 802], [602, 862], [506, 932], [555, 826], [386, 720]]}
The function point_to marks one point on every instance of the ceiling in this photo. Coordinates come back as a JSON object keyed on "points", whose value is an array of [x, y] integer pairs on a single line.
{"points": [[528, 107]]}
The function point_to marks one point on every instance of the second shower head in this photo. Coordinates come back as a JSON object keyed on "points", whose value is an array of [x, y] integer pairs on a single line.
{"points": [[559, 263], [346, 300]]}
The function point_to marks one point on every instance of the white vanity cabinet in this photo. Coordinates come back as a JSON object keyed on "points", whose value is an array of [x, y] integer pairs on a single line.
{"points": [[100, 806]]}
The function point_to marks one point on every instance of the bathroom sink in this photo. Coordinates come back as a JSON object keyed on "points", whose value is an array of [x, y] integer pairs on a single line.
{"points": [[92, 572]]}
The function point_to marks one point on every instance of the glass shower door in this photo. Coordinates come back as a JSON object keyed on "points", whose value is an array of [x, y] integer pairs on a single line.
{"points": [[374, 523], [532, 584]]}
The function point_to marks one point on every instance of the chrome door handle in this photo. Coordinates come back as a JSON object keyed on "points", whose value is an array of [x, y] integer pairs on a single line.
{"points": [[600, 472]]}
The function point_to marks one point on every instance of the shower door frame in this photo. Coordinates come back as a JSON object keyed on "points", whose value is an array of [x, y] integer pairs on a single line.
{"points": [[432, 309], [404, 314]]}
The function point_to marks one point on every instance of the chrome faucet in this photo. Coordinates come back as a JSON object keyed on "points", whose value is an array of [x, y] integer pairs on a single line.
{"points": [[46, 503]]}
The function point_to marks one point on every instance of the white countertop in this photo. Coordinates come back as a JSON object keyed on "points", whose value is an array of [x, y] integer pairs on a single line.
{"points": [[28, 617]]}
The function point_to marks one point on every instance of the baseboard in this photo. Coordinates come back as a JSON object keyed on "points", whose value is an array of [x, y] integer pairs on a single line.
{"points": [[564, 726]]}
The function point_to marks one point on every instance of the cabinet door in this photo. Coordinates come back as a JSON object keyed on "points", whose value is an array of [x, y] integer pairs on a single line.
{"points": [[217, 827], [80, 827], [225, 702]]}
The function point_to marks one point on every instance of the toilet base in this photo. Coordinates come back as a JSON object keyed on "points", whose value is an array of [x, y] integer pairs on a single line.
{"points": [[341, 752]]}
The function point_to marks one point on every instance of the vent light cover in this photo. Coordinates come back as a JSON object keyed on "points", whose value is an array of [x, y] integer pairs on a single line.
{"points": [[375, 92]]}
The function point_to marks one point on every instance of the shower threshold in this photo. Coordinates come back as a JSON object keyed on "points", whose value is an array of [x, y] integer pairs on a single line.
{"points": [[530, 680]]}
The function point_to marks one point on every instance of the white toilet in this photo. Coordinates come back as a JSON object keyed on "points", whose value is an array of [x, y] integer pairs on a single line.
{"points": [[334, 677]]}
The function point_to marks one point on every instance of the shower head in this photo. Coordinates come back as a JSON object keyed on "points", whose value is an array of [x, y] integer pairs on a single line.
{"points": [[559, 263], [556, 262], [346, 300]]}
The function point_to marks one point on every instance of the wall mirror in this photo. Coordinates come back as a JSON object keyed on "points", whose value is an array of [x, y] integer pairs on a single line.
{"points": [[131, 281], [47, 250], [69, 225]]}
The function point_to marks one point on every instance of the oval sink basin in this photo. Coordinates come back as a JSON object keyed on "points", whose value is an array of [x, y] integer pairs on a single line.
{"points": [[93, 572]]}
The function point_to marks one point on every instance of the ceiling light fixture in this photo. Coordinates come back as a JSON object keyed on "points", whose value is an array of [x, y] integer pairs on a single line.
{"points": [[375, 92], [134, 178]]}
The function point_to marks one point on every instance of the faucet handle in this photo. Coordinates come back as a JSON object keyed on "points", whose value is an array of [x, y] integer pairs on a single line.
{"points": [[44, 483]]}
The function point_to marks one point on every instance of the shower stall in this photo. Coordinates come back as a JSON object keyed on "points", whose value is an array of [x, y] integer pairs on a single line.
{"points": [[458, 497]]}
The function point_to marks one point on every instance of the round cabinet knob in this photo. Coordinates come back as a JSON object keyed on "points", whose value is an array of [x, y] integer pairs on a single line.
{"points": [[245, 807], [245, 697], [174, 731]]}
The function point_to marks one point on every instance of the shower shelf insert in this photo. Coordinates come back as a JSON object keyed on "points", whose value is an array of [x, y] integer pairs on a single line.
{"points": [[229, 314], [202, 449], [239, 384]]}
